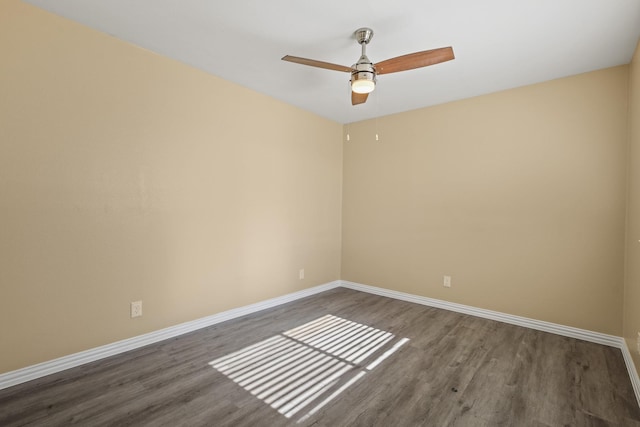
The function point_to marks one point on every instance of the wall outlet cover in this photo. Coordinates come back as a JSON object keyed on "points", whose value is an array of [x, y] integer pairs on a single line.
{"points": [[136, 309], [447, 282]]}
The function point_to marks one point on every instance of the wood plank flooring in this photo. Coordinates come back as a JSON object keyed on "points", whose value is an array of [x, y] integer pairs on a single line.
{"points": [[374, 361]]}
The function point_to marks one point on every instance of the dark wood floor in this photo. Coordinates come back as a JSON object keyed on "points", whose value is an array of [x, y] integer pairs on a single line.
{"points": [[373, 361]]}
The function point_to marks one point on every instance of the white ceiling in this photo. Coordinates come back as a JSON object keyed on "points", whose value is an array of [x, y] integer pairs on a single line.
{"points": [[499, 44]]}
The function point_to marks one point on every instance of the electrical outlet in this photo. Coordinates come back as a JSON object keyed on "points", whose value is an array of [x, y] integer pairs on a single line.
{"points": [[301, 274], [136, 309], [447, 282]]}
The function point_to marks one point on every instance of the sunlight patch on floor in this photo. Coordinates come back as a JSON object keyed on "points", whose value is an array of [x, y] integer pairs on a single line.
{"points": [[310, 364]]}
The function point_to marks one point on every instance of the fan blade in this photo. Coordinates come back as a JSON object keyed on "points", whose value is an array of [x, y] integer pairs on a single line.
{"points": [[314, 63], [358, 98], [415, 60]]}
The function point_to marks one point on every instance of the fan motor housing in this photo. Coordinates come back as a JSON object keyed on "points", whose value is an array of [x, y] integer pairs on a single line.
{"points": [[363, 71], [363, 75]]}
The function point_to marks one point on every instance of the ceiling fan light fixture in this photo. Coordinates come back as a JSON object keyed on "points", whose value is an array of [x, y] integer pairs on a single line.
{"points": [[363, 82], [364, 72]]}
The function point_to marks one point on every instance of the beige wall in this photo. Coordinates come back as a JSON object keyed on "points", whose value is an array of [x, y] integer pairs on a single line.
{"points": [[632, 277], [125, 175], [518, 195]]}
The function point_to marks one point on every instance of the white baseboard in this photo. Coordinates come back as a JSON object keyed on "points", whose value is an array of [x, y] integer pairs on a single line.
{"points": [[554, 328], [539, 325], [52, 366], [631, 368]]}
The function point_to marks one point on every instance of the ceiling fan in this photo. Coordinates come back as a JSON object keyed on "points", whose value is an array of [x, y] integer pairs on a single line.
{"points": [[364, 72]]}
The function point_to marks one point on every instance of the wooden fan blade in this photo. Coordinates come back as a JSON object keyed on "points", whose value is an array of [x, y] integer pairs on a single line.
{"points": [[358, 98], [314, 63], [415, 60]]}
